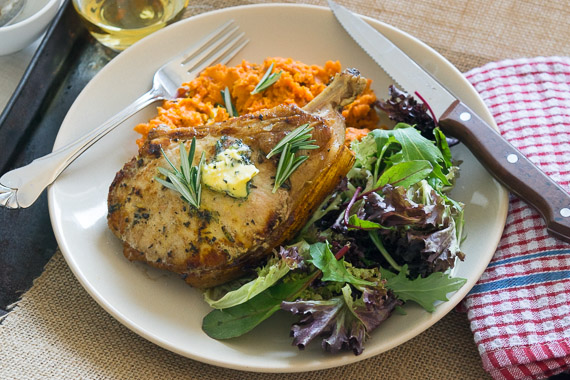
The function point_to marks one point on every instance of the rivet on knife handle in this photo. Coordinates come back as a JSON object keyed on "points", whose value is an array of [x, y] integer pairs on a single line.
{"points": [[510, 167]]}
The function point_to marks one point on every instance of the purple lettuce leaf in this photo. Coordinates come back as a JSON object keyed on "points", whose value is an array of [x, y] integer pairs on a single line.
{"points": [[403, 108], [291, 256], [420, 235], [341, 322], [393, 209]]}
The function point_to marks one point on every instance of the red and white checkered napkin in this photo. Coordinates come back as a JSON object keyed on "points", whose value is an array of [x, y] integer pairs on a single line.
{"points": [[520, 308]]}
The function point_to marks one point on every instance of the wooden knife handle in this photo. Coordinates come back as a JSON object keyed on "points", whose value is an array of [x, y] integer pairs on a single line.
{"points": [[510, 167]]}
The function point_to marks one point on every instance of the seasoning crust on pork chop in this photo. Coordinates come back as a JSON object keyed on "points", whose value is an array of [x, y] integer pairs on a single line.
{"points": [[227, 237]]}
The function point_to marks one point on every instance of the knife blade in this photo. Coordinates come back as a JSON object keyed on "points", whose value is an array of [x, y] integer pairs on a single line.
{"points": [[503, 161]]}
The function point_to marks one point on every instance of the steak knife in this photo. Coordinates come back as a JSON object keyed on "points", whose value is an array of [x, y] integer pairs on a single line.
{"points": [[503, 161]]}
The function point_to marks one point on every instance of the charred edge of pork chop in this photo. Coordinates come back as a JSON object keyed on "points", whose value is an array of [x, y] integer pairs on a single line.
{"points": [[219, 268], [199, 280], [279, 121]]}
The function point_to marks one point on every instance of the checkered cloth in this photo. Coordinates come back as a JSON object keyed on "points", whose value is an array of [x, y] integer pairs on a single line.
{"points": [[520, 308]]}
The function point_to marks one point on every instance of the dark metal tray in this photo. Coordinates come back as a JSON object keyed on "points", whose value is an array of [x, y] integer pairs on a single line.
{"points": [[66, 60]]}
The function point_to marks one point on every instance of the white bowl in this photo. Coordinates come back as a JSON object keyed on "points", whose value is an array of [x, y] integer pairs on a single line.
{"points": [[28, 25]]}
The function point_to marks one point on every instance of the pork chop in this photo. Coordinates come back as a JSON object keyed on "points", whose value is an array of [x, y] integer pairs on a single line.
{"points": [[228, 235]]}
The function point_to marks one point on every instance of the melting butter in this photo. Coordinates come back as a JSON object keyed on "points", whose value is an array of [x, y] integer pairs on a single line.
{"points": [[230, 171]]}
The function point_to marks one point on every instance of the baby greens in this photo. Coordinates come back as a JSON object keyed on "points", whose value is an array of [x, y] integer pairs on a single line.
{"points": [[423, 290], [385, 236]]}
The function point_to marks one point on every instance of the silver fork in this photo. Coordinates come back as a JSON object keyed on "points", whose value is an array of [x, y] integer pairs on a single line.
{"points": [[20, 187]]}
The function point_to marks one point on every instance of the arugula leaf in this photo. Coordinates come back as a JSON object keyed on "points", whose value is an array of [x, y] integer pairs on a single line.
{"points": [[424, 291], [416, 147], [443, 146], [238, 320], [413, 147], [386, 274], [333, 269]]}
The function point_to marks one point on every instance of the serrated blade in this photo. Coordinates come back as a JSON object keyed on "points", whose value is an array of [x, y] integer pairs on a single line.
{"points": [[397, 64]]}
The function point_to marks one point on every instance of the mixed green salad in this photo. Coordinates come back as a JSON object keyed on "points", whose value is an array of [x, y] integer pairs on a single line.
{"points": [[387, 235]]}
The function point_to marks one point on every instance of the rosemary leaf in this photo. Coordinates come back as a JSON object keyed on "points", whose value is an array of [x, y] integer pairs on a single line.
{"points": [[296, 163], [184, 164], [267, 80], [198, 177], [185, 180], [282, 167], [299, 138], [165, 183], [167, 160], [288, 163], [183, 190], [228, 103]]}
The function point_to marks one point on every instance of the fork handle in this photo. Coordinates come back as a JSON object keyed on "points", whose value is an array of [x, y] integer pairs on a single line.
{"points": [[19, 188]]}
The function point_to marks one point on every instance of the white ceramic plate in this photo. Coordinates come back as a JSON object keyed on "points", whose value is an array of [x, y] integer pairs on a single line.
{"points": [[161, 307]]}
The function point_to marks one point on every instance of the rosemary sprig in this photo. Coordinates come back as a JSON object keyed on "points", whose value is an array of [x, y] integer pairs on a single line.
{"points": [[226, 96], [186, 179], [267, 80], [298, 139], [288, 163]]}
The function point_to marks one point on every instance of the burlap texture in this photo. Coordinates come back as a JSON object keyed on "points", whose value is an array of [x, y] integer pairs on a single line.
{"points": [[57, 331], [468, 33]]}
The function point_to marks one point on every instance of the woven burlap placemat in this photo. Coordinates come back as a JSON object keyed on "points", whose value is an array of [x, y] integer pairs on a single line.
{"points": [[467, 33], [57, 331]]}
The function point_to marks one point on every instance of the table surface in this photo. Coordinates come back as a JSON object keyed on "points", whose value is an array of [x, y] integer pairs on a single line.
{"points": [[468, 33]]}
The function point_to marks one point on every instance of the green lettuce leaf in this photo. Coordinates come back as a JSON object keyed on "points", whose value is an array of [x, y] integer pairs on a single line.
{"points": [[365, 152], [424, 291], [238, 320], [355, 221], [405, 174], [333, 269], [441, 143], [267, 277], [382, 149]]}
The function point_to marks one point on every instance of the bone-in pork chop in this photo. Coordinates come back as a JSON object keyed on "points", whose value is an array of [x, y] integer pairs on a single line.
{"points": [[230, 233]]}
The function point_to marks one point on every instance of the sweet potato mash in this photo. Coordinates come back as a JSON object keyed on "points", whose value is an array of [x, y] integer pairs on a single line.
{"points": [[200, 100]]}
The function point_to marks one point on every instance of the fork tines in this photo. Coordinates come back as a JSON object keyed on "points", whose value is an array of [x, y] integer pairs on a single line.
{"points": [[219, 46]]}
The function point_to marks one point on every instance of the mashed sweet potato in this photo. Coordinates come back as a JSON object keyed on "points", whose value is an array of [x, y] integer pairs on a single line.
{"points": [[200, 100]]}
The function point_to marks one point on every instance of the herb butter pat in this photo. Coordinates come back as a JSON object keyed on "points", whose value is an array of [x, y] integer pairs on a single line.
{"points": [[230, 171]]}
